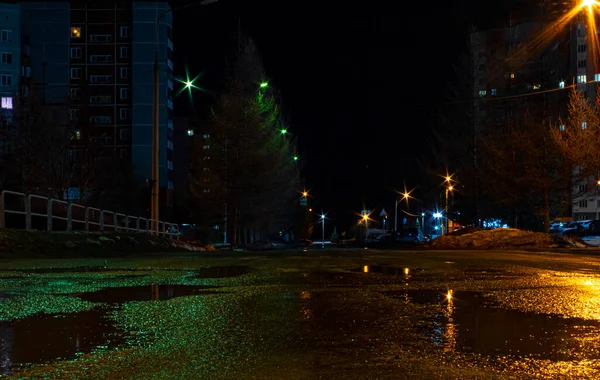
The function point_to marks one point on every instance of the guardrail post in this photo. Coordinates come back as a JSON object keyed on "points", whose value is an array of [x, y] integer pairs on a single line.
{"points": [[137, 225], [127, 223], [87, 219], [69, 217], [2, 208], [28, 212], [101, 221], [49, 216]]}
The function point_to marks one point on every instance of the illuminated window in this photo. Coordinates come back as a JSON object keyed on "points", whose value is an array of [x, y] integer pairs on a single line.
{"points": [[536, 86], [169, 164], [584, 125], [190, 132], [581, 79], [206, 136], [7, 103], [75, 32], [561, 127], [512, 75], [482, 92], [561, 84], [77, 135], [597, 77], [170, 185], [206, 147], [493, 91]]}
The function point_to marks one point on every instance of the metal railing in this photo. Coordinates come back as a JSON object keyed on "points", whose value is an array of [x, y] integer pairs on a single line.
{"points": [[75, 217]]}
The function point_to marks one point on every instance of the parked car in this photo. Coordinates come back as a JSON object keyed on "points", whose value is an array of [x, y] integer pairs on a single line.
{"points": [[594, 228], [556, 226], [572, 228]]}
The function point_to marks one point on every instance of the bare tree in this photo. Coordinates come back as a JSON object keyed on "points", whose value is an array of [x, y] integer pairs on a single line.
{"points": [[520, 168], [578, 136]]}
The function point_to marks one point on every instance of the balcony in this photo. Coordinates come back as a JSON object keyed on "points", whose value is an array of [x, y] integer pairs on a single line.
{"points": [[100, 99], [101, 120], [100, 38], [100, 78], [100, 58]]}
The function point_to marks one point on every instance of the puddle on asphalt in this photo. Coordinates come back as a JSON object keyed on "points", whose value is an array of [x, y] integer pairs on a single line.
{"points": [[386, 269], [223, 271], [469, 322], [44, 338], [144, 293]]}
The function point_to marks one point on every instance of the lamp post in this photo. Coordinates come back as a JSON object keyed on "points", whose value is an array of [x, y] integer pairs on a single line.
{"points": [[402, 196], [438, 216], [323, 230], [449, 188], [154, 203]]}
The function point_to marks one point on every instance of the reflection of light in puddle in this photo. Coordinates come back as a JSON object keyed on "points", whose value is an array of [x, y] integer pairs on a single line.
{"points": [[466, 321], [45, 338]]}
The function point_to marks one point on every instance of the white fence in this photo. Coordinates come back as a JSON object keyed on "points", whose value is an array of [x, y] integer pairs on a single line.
{"points": [[44, 213]]}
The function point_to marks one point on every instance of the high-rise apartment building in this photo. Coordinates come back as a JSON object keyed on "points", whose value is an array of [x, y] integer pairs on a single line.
{"points": [[97, 58], [10, 59]]}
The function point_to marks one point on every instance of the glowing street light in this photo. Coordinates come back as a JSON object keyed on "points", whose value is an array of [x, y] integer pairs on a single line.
{"points": [[264, 85], [322, 217]]}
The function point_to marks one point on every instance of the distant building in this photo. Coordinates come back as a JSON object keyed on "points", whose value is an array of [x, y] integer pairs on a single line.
{"points": [[501, 87], [10, 60]]}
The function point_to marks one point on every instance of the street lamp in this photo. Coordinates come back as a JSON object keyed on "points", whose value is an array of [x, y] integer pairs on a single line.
{"points": [[323, 230], [154, 204], [402, 196], [438, 216], [449, 188]]}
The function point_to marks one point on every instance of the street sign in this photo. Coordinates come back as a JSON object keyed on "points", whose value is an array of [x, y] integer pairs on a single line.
{"points": [[363, 212], [303, 202], [383, 213]]}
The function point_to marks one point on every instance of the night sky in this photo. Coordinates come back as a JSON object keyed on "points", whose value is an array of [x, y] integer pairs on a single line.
{"points": [[360, 84]]}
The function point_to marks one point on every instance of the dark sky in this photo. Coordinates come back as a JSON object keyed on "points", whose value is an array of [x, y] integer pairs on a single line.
{"points": [[360, 83]]}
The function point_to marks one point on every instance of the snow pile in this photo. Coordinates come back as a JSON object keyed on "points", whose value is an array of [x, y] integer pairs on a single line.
{"points": [[504, 238]]}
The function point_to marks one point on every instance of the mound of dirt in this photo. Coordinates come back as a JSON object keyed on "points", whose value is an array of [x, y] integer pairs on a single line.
{"points": [[503, 238]]}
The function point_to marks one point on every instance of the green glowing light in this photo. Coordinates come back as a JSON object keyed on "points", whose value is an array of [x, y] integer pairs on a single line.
{"points": [[295, 158], [264, 85], [188, 84], [283, 131]]}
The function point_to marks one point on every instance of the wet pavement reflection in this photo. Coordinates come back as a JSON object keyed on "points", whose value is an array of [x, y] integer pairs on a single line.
{"points": [[467, 321], [45, 338], [144, 293]]}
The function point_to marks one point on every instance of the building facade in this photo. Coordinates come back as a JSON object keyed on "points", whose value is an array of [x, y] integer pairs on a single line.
{"points": [[10, 60], [97, 59]]}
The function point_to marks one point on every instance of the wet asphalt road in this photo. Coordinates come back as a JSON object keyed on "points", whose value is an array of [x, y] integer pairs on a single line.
{"points": [[338, 314]]}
